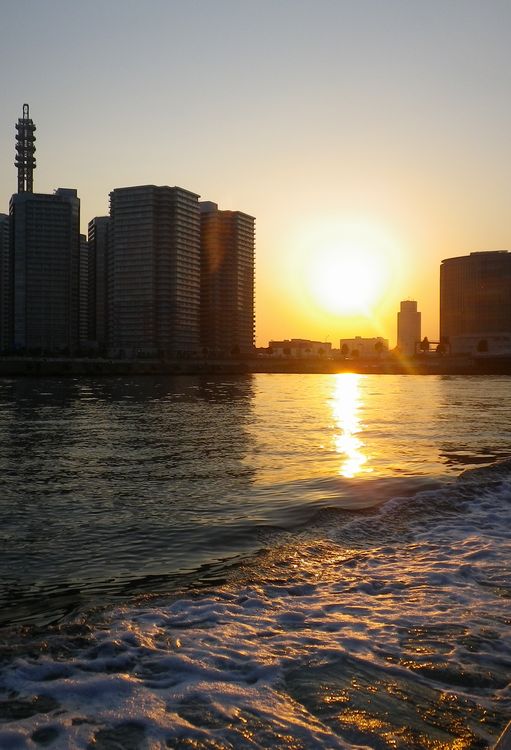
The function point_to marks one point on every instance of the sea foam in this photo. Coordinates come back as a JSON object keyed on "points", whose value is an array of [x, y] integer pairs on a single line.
{"points": [[387, 630]]}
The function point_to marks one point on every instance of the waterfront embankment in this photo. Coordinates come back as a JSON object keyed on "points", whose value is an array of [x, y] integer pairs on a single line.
{"points": [[77, 367]]}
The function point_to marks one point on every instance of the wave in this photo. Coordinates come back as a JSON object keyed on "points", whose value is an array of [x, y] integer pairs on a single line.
{"points": [[495, 471], [386, 627]]}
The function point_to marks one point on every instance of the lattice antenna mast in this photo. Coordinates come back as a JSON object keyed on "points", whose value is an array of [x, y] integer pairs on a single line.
{"points": [[25, 150]]}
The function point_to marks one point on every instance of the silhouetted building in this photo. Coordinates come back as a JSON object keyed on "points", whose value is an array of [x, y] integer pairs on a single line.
{"points": [[475, 302], [408, 327], [227, 280], [84, 291], [5, 285], [25, 150], [302, 348], [155, 267], [45, 245], [365, 348], [98, 280]]}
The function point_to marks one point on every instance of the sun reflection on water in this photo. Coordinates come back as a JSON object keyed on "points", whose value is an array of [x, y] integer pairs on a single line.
{"points": [[346, 407]]}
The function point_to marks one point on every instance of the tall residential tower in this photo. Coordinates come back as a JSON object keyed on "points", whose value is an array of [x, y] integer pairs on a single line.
{"points": [[44, 257], [227, 280], [98, 280], [5, 285], [155, 270], [45, 241]]}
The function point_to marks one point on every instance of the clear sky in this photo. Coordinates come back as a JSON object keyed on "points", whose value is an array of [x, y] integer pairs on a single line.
{"points": [[369, 138]]}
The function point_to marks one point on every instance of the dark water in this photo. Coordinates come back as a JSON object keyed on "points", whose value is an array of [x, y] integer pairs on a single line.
{"points": [[268, 561], [113, 487]]}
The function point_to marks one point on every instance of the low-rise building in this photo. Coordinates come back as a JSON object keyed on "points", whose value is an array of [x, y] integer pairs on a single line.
{"points": [[481, 343], [365, 348], [299, 348]]}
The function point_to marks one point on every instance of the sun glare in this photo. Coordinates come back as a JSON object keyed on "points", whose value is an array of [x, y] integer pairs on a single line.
{"points": [[348, 269], [346, 404]]}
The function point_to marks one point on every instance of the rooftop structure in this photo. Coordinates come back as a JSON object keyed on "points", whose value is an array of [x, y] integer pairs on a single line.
{"points": [[25, 150]]}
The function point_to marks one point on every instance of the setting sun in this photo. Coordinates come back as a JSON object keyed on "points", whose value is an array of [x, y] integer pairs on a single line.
{"points": [[345, 281], [349, 270]]}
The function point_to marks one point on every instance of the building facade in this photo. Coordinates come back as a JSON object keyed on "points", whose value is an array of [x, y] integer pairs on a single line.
{"points": [[300, 348], [45, 248], [84, 291], [5, 285], [98, 231], [227, 280], [366, 348], [408, 328], [475, 302], [154, 271]]}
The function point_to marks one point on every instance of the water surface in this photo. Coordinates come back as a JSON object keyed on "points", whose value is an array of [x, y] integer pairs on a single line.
{"points": [[266, 561]]}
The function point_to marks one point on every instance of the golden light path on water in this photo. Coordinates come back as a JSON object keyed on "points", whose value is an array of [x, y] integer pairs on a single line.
{"points": [[346, 407]]}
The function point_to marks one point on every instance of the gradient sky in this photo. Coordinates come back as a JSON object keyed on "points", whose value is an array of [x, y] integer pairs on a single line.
{"points": [[384, 122]]}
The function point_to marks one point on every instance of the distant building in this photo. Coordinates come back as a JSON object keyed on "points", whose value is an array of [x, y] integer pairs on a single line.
{"points": [[365, 348], [408, 327], [5, 284], [227, 280], [84, 291], [299, 348], [98, 273], [155, 270], [45, 246], [44, 260], [475, 302]]}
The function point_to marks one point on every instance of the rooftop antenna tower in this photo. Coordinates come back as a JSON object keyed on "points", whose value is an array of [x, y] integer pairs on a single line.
{"points": [[25, 150]]}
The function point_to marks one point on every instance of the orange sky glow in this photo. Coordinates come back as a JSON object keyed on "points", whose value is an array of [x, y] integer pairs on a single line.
{"points": [[370, 140]]}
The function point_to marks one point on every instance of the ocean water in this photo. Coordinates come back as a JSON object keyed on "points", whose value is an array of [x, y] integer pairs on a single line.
{"points": [[273, 561]]}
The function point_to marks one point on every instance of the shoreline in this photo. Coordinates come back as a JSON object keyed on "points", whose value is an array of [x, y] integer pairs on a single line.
{"points": [[87, 367]]}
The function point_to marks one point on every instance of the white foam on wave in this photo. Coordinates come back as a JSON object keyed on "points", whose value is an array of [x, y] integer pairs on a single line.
{"points": [[422, 602]]}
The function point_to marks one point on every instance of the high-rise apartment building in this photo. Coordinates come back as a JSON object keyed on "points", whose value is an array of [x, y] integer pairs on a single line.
{"points": [[44, 262], [84, 291], [98, 280], [45, 244], [227, 280], [5, 284], [475, 302], [155, 270], [408, 327]]}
